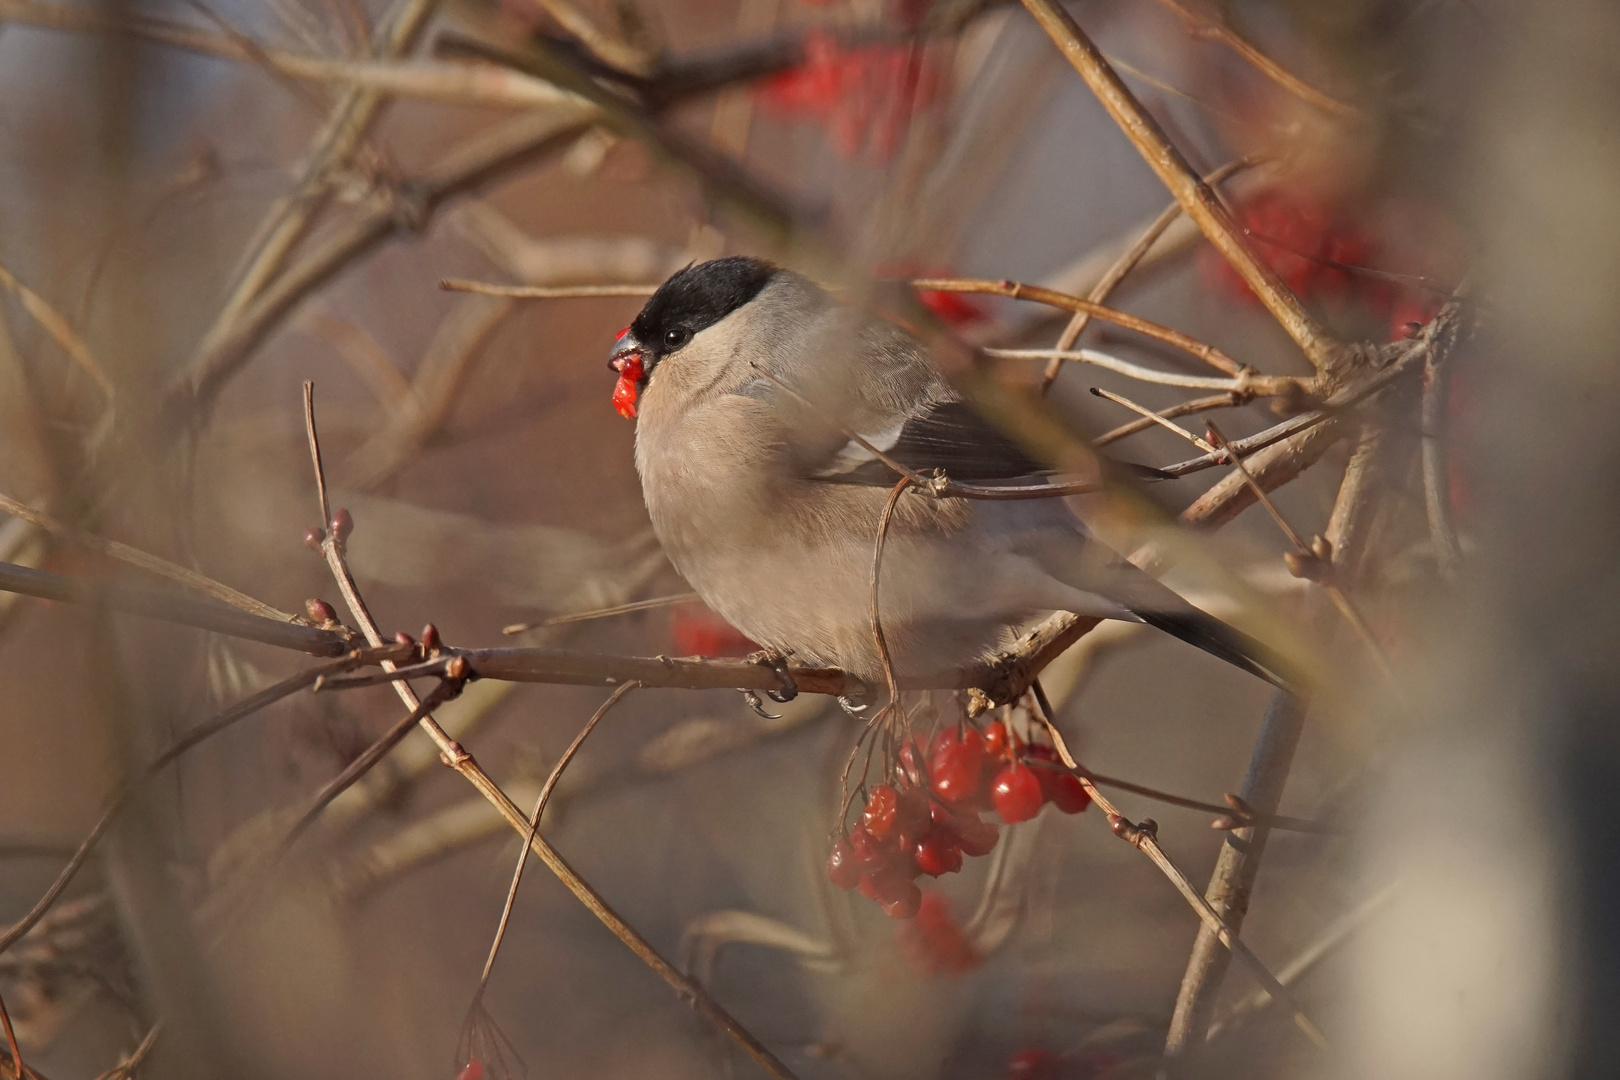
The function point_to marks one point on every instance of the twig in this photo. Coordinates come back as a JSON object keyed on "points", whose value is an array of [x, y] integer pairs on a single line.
{"points": [[206, 730], [1206, 29], [126, 1068], [603, 613], [173, 607], [1436, 462], [408, 210], [135, 557], [534, 827], [1336, 405], [1127, 261], [1016, 290], [457, 758], [544, 292], [1251, 816], [285, 224], [877, 570], [61, 332], [1154, 418], [1218, 401], [1235, 871], [1144, 838], [1195, 196], [1246, 385], [1337, 933], [11, 1041], [448, 688]]}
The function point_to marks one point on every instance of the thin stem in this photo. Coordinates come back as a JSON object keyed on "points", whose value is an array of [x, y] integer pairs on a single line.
{"points": [[544, 292], [11, 1041], [877, 569], [1127, 261], [1218, 401], [1143, 837], [1016, 290], [1195, 196], [604, 613], [315, 455], [1207, 29], [1144, 374], [534, 827]]}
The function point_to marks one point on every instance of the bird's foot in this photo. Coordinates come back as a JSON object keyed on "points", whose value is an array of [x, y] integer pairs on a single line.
{"points": [[776, 660], [855, 704]]}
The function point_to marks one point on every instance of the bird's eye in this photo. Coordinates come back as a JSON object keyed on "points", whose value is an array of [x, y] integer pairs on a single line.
{"points": [[676, 337]]}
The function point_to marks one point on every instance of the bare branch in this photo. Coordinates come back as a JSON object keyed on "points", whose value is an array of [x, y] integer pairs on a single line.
{"points": [[1195, 196]]}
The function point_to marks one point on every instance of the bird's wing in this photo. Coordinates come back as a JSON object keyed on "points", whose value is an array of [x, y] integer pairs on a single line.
{"points": [[937, 434]]}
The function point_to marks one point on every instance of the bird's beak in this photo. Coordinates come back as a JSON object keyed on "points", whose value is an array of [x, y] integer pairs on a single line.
{"points": [[626, 359], [625, 346]]}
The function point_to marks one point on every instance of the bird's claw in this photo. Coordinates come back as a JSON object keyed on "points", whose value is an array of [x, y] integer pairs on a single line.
{"points": [[777, 662], [855, 704], [759, 706]]}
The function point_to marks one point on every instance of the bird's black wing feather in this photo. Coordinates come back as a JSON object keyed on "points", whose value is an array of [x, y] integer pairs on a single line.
{"points": [[947, 435]]}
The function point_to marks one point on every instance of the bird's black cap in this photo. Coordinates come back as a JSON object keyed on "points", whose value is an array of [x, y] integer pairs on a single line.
{"points": [[696, 298]]}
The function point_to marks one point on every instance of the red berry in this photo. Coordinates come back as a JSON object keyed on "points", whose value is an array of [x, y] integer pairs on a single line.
{"points": [[869, 854], [975, 837], [843, 869], [1017, 793], [913, 763], [938, 853], [881, 805], [958, 772], [906, 905], [997, 739], [473, 1070], [1066, 792]]}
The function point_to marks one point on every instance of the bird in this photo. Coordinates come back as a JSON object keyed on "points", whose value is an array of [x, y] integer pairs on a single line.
{"points": [[747, 381]]}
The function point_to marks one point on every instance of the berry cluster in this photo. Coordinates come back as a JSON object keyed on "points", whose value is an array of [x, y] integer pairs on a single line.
{"points": [[929, 818], [864, 95]]}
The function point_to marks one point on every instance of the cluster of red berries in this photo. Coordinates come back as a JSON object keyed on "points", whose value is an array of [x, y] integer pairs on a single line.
{"points": [[1310, 244], [1035, 1064], [864, 95], [928, 818]]}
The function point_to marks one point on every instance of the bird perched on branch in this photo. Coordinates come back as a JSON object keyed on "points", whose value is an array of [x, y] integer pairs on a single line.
{"points": [[747, 381]]}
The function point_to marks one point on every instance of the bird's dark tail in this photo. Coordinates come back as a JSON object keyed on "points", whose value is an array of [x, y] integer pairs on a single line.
{"points": [[1218, 639]]}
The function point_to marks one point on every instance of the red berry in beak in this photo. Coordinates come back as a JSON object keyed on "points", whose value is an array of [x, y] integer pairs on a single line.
{"points": [[628, 365]]}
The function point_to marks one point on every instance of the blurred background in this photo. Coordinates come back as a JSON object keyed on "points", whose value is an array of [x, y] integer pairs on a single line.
{"points": [[203, 205]]}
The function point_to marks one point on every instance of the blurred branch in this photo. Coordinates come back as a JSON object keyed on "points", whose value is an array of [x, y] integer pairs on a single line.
{"points": [[544, 292], [1206, 28], [61, 332], [1233, 880], [1125, 263], [414, 417], [1330, 940], [206, 730], [1436, 463], [406, 209], [172, 607], [1195, 196], [334, 143], [135, 557]]}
